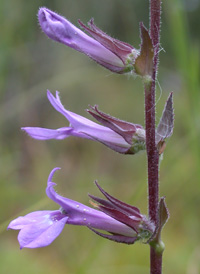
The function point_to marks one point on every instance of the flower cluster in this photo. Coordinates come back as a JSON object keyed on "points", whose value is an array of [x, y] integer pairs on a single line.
{"points": [[113, 219]]}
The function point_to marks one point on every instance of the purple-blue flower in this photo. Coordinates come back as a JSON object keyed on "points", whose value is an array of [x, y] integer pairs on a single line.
{"points": [[111, 53], [124, 223], [121, 136]]}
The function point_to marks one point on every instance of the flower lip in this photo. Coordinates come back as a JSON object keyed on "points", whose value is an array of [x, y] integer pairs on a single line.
{"points": [[39, 228]]}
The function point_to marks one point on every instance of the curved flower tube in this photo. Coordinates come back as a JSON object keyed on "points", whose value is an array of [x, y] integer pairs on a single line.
{"points": [[120, 136], [40, 228]]}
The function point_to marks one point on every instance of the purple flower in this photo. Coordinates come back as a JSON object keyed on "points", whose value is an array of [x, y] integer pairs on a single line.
{"points": [[40, 228], [118, 135], [111, 53]]}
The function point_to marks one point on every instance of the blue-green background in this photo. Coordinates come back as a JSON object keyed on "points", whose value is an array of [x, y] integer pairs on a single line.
{"points": [[29, 64]]}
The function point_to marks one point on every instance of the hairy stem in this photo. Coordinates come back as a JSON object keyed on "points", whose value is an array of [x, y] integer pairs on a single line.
{"points": [[152, 152]]}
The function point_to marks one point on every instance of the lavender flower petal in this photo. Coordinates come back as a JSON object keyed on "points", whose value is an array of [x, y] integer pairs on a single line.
{"points": [[45, 134], [59, 134], [39, 229]]}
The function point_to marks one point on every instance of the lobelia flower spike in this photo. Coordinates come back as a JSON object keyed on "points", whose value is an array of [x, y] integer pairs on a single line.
{"points": [[125, 223], [120, 136], [111, 53]]}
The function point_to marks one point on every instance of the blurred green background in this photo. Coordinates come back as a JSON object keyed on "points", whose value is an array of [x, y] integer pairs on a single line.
{"points": [[29, 64]]}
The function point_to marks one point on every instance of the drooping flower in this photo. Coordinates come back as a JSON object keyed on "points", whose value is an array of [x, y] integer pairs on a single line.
{"points": [[124, 222], [121, 136], [111, 53]]}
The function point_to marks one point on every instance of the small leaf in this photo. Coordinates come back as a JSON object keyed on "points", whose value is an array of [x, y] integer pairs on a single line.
{"points": [[163, 216], [166, 124], [144, 62], [163, 213]]}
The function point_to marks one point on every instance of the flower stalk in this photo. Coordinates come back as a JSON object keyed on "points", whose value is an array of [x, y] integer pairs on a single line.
{"points": [[151, 148]]}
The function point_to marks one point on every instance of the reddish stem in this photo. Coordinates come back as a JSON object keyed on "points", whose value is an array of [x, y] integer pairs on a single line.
{"points": [[156, 262], [152, 152]]}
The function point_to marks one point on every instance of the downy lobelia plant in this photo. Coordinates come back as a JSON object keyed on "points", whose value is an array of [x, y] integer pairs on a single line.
{"points": [[112, 218]]}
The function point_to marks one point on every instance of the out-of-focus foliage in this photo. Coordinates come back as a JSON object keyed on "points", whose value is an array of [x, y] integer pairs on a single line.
{"points": [[29, 64]]}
